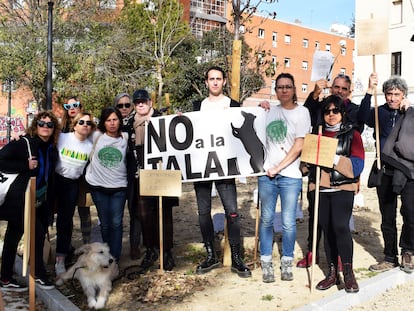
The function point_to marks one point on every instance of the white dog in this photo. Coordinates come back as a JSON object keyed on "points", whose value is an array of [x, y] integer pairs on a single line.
{"points": [[95, 269]]}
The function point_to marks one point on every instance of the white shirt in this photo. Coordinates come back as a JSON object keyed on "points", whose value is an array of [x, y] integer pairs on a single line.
{"points": [[107, 166], [73, 155], [221, 104], [283, 126]]}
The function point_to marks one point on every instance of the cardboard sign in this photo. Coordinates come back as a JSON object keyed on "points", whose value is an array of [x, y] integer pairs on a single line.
{"points": [[322, 157], [372, 36], [163, 183]]}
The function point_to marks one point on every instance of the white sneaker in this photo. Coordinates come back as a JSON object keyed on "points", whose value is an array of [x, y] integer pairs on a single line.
{"points": [[60, 266]]}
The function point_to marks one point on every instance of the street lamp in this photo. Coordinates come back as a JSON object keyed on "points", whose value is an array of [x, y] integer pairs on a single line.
{"points": [[49, 85]]}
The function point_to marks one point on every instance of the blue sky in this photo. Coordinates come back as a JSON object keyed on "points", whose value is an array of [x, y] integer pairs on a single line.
{"points": [[318, 14]]}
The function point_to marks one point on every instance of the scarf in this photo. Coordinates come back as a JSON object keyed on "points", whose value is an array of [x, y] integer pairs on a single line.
{"points": [[333, 128], [139, 126]]}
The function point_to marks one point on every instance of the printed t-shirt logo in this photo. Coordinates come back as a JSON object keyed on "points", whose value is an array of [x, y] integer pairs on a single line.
{"points": [[276, 131], [110, 157]]}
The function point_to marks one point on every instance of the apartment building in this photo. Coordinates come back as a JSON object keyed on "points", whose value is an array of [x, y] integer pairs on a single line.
{"points": [[291, 48], [397, 34]]}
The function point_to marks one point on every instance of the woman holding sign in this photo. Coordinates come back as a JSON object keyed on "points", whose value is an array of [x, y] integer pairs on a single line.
{"points": [[337, 188]]}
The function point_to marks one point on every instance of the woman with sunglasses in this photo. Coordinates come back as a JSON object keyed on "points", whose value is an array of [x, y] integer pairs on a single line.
{"points": [[106, 176], [74, 149], [124, 103], [338, 184], [42, 136], [72, 107]]}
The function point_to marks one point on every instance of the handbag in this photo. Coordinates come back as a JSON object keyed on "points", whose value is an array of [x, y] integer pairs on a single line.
{"points": [[375, 176], [7, 179]]}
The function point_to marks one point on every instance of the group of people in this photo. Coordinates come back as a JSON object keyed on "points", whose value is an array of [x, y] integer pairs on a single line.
{"points": [[75, 156]]}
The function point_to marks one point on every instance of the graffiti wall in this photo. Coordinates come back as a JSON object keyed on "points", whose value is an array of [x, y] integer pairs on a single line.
{"points": [[17, 127]]}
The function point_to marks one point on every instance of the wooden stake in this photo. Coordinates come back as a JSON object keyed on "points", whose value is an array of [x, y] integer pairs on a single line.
{"points": [[32, 286]]}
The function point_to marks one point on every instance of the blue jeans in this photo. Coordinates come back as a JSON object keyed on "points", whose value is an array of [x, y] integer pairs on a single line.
{"points": [[110, 207], [269, 190]]}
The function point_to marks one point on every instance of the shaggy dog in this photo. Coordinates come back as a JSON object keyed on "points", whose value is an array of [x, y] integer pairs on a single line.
{"points": [[95, 269]]}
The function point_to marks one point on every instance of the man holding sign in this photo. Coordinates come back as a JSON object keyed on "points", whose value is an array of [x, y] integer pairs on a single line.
{"points": [[215, 80]]}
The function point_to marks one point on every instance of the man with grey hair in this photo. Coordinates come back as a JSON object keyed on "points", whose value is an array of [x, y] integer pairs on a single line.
{"points": [[395, 91]]}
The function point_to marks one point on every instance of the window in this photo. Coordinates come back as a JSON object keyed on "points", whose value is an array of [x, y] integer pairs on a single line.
{"points": [[242, 29], [304, 65], [343, 51], [396, 63], [317, 45], [396, 13], [327, 47], [304, 88], [274, 39], [342, 71], [287, 39], [287, 62], [260, 58], [273, 87], [305, 43], [261, 33], [274, 62]]}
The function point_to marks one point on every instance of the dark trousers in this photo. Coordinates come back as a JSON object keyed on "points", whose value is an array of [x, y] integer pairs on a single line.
{"points": [[67, 191], [311, 201], [134, 223], [12, 211], [407, 213], [148, 214], [387, 200], [228, 195], [335, 210]]}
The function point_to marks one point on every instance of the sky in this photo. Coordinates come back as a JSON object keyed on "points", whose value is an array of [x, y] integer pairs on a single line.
{"points": [[317, 14]]}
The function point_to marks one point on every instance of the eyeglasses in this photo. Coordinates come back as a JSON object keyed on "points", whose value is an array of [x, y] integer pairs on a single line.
{"points": [[126, 105], [82, 122], [71, 106], [49, 124], [327, 112], [284, 87]]}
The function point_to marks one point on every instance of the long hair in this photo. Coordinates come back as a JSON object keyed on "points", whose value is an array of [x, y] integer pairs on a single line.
{"points": [[32, 130], [66, 120], [105, 113]]}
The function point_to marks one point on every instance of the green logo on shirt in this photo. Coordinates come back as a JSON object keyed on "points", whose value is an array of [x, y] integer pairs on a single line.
{"points": [[276, 131], [110, 157]]}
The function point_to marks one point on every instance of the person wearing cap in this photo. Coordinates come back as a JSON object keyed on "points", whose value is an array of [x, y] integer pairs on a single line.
{"points": [[147, 207], [123, 102], [215, 80]]}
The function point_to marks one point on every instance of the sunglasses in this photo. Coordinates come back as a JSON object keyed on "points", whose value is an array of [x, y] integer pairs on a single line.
{"points": [[126, 105], [71, 106], [82, 122], [49, 124], [334, 111]]}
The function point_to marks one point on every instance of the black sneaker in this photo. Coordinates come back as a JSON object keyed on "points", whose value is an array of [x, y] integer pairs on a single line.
{"points": [[12, 285], [150, 257], [44, 283]]}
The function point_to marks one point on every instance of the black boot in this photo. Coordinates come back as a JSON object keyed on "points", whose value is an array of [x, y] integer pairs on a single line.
{"points": [[211, 262], [330, 280], [150, 257], [351, 285], [169, 262], [237, 264]]}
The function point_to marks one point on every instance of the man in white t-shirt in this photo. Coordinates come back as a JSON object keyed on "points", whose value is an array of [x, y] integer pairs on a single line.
{"points": [[215, 80]]}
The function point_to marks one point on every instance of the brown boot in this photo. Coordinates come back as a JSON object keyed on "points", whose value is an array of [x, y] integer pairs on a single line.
{"points": [[351, 285], [330, 280]]}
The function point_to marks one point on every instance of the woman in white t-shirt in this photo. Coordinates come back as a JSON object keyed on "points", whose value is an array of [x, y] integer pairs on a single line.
{"points": [[106, 176], [74, 148], [286, 126]]}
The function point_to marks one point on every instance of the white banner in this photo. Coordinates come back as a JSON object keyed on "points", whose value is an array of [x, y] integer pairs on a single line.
{"points": [[208, 145]]}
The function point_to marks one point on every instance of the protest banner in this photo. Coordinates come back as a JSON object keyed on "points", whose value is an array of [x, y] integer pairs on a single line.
{"points": [[208, 145]]}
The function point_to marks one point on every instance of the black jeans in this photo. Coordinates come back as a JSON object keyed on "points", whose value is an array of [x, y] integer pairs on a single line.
{"points": [[387, 200], [228, 195], [335, 210], [407, 213]]}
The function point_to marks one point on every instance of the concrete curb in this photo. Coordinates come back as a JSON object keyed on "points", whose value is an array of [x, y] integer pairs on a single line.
{"points": [[368, 289], [52, 298]]}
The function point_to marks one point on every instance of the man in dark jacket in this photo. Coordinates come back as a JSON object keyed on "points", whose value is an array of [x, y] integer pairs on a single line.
{"points": [[395, 91]]}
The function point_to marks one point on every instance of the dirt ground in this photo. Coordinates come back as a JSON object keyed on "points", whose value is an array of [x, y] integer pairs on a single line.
{"points": [[182, 289]]}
